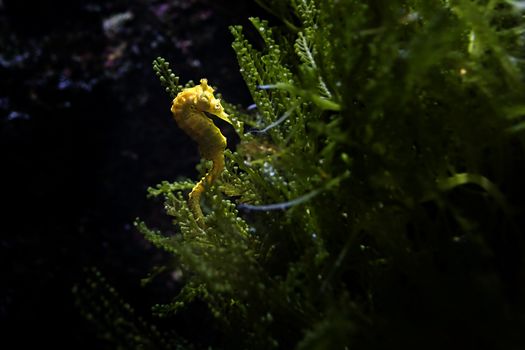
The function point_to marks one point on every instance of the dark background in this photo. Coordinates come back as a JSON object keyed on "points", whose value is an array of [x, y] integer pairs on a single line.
{"points": [[85, 128]]}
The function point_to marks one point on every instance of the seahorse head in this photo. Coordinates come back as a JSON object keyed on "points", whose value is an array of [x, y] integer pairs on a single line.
{"points": [[207, 102]]}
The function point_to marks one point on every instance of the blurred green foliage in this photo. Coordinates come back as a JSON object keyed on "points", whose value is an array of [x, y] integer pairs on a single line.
{"points": [[375, 197]]}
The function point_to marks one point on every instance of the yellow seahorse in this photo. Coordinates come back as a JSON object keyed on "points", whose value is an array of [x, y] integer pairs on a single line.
{"points": [[188, 110]]}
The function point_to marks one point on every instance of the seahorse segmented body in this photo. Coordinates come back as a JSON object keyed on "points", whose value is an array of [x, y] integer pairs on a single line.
{"points": [[188, 110]]}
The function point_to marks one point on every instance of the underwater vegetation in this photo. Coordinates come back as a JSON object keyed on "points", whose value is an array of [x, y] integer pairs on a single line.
{"points": [[375, 196]]}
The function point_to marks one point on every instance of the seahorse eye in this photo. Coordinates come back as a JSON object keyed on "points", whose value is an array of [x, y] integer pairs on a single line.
{"points": [[218, 106]]}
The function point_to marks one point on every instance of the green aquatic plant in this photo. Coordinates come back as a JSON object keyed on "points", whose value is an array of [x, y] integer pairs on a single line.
{"points": [[373, 198], [116, 321]]}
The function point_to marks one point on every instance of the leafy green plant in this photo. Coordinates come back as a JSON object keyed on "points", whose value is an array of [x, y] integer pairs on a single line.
{"points": [[373, 199]]}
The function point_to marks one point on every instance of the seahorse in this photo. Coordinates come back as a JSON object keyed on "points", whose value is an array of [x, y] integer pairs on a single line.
{"points": [[188, 110]]}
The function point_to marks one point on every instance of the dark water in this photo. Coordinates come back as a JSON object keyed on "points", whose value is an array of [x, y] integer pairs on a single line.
{"points": [[85, 128]]}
